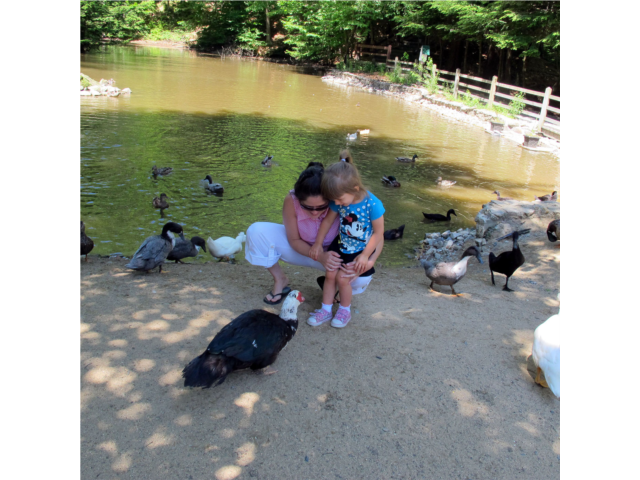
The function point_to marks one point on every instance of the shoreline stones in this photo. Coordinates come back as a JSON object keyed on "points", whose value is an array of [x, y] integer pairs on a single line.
{"points": [[446, 246], [498, 218], [89, 87]]}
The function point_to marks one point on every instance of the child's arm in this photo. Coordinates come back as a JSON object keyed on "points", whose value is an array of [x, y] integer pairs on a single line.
{"points": [[316, 249], [378, 234]]}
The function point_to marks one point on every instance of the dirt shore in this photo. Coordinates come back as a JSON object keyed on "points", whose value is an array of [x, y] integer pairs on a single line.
{"points": [[419, 385]]}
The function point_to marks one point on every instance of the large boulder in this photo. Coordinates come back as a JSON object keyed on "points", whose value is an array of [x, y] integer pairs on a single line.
{"points": [[498, 218]]}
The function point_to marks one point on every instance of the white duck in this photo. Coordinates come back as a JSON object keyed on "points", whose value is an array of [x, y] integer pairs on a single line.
{"points": [[546, 353], [225, 247], [352, 136]]}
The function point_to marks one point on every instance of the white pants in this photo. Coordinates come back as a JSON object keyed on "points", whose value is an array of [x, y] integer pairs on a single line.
{"points": [[267, 243]]}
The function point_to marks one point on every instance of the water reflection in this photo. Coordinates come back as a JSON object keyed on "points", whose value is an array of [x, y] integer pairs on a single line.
{"points": [[203, 115]]}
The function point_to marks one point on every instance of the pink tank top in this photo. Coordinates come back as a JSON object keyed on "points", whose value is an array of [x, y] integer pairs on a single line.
{"points": [[308, 226]]}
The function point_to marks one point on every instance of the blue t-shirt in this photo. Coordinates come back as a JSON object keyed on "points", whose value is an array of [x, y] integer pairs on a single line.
{"points": [[355, 222]]}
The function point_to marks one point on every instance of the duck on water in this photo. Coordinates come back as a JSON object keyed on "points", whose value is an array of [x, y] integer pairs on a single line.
{"points": [[437, 217], [154, 250]]}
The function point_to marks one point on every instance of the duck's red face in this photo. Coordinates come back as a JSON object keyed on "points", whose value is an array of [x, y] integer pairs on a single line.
{"points": [[300, 298]]}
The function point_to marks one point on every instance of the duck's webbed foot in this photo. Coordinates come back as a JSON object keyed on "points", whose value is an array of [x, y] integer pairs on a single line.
{"points": [[431, 287], [506, 287], [453, 292], [539, 380], [159, 268]]}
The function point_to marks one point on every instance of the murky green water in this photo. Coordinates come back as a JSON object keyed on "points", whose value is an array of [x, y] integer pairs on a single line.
{"points": [[203, 115]]}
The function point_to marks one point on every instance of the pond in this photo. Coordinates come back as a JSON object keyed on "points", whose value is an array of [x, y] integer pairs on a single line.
{"points": [[205, 115]]}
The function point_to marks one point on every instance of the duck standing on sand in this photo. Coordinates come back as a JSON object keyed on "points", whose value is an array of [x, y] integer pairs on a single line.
{"points": [[161, 171], [547, 198], [546, 353], [507, 262], [394, 233], [225, 247], [449, 273], [407, 159], [161, 202], [212, 187], [445, 183], [252, 340], [437, 217], [184, 248], [391, 181], [86, 244], [553, 231], [501, 198], [154, 250]]}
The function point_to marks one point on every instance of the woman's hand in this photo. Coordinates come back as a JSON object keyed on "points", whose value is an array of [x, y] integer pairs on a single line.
{"points": [[315, 251], [330, 261], [349, 269]]}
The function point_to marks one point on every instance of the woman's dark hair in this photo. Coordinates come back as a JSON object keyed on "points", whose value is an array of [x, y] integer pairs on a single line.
{"points": [[309, 182]]}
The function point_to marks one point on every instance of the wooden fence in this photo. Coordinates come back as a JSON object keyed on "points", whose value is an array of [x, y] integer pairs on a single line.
{"points": [[546, 114]]}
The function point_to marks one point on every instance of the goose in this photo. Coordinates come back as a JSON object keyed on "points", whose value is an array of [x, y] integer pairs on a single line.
{"points": [[501, 198], [154, 250], [407, 159], [160, 202], [546, 353], [437, 217], [507, 262], [186, 248], [445, 183], [86, 244], [225, 247], [547, 198], [212, 187], [394, 233], [449, 273], [267, 161], [391, 181], [161, 171], [553, 231], [352, 136]]}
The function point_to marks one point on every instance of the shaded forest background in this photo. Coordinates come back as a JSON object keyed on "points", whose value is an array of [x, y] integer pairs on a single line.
{"points": [[517, 41]]}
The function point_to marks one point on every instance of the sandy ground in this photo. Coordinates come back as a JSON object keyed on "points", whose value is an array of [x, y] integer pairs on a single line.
{"points": [[419, 385]]}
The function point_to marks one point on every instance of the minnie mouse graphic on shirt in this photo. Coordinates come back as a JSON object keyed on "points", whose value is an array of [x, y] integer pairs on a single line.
{"points": [[353, 228], [355, 222]]}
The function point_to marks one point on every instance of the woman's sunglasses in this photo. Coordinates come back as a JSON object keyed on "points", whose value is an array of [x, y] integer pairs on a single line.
{"points": [[314, 209]]}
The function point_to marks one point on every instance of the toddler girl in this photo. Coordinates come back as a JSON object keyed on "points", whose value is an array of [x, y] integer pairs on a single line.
{"points": [[361, 228]]}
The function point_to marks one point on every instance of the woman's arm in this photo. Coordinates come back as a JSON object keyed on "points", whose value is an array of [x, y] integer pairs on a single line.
{"points": [[329, 260], [316, 249]]}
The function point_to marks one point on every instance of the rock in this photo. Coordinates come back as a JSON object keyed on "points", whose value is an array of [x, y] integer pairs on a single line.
{"points": [[449, 244], [446, 234], [499, 218]]}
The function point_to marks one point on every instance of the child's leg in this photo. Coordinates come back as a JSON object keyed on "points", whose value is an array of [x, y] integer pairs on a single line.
{"points": [[329, 290], [344, 284], [324, 314]]}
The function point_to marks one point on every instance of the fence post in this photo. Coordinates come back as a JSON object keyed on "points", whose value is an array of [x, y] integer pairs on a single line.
{"points": [[492, 92], [395, 64], [388, 53], [455, 84], [543, 110]]}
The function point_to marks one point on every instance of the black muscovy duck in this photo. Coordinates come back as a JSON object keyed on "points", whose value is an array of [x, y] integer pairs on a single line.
{"points": [[184, 248], [154, 250], [390, 181], [507, 262], [160, 202], [553, 231], [267, 161], [212, 187], [252, 340], [437, 217], [407, 159], [394, 233], [161, 171], [449, 273], [86, 244]]}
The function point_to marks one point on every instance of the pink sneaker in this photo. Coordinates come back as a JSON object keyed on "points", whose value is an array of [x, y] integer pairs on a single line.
{"points": [[341, 319], [319, 317]]}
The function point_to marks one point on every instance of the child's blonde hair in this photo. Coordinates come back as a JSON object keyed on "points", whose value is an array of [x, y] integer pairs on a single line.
{"points": [[345, 156], [341, 178]]}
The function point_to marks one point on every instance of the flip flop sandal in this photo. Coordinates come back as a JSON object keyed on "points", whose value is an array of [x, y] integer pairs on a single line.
{"points": [[320, 281], [285, 291]]}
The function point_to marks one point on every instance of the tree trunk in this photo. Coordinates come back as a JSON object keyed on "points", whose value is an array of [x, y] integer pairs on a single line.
{"points": [[500, 67], [508, 78], [524, 70], [464, 60], [440, 60], [268, 25], [479, 57]]}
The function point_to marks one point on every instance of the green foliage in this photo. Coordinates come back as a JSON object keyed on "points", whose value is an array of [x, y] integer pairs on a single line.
{"points": [[355, 66], [430, 81], [516, 105]]}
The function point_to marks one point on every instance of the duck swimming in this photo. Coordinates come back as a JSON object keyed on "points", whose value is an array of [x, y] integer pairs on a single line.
{"points": [[267, 161], [161, 171], [407, 159], [501, 198], [391, 181], [160, 202], [212, 187], [507, 262], [546, 353], [437, 217], [445, 183], [225, 247], [86, 244], [394, 233], [449, 273], [184, 248], [352, 136], [154, 250], [547, 198], [553, 231]]}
